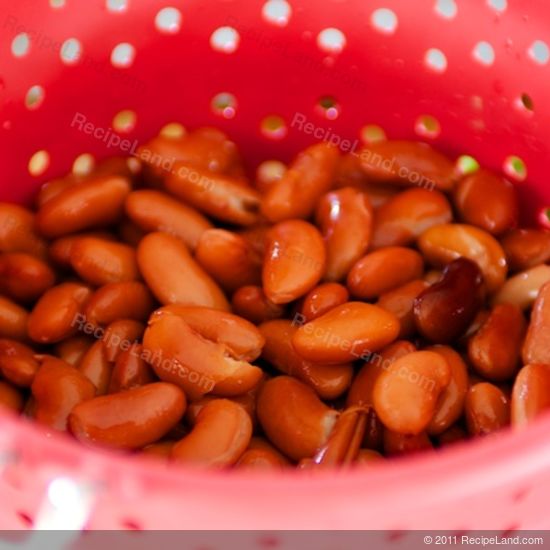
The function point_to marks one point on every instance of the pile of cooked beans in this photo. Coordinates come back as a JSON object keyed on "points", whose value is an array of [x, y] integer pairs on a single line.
{"points": [[333, 311]]}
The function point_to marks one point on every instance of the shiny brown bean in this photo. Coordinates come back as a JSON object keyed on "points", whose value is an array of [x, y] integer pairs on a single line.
{"points": [[344, 218], [444, 310], [24, 277], [384, 270], [251, 303], [322, 299], [294, 262], [229, 258], [530, 394], [526, 248], [13, 320], [487, 409], [309, 176], [100, 262], [488, 201], [18, 232], [17, 363], [536, 348], [401, 220], [96, 368], [56, 315], [10, 398], [184, 282], [495, 350], [119, 337], [523, 288], [155, 211], [442, 244], [131, 300], [407, 163], [260, 455], [130, 370], [57, 388], [91, 204], [130, 419], [61, 249]]}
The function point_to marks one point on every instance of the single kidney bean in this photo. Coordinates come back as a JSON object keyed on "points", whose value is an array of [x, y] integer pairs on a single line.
{"points": [[17, 363], [401, 220], [346, 333], [10, 398], [184, 282], [522, 289], [96, 368], [221, 435], [129, 419], [321, 299], [530, 394], [294, 262], [130, 300], [344, 218], [73, 349], [13, 320], [407, 163], [183, 355], [536, 348], [451, 401], [401, 444], [487, 409], [329, 381], [260, 455], [222, 197], [130, 370], [444, 310], [229, 258], [406, 394], [488, 201], [119, 337], [495, 350], [55, 316], [443, 243], [251, 303], [400, 302], [155, 211], [91, 204], [384, 270], [61, 249], [241, 337], [24, 277], [309, 176], [526, 248], [57, 388], [101, 262], [294, 419], [17, 231]]}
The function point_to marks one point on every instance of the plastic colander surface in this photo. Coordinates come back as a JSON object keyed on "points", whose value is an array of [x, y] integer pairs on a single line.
{"points": [[469, 76]]}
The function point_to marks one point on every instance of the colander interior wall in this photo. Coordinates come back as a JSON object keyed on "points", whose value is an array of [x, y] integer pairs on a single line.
{"points": [[470, 77]]}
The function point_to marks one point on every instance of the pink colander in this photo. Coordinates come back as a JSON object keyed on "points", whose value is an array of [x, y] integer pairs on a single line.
{"points": [[77, 78]]}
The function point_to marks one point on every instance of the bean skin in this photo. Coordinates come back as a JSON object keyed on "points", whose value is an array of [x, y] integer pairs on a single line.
{"points": [[18, 231], [396, 444], [221, 435], [530, 394], [488, 201], [487, 409], [346, 333], [260, 455], [444, 310], [384, 270], [57, 389], [155, 211], [17, 363], [130, 370], [185, 282], [96, 368], [294, 262], [10, 398], [526, 248], [13, 320], [55, 315], [442, 244], [251, 303], [130, 419], [322, 299], [523, 288], [119, 336], [404, 163], [495, 350], [73, 349], [309, 176], [401, 220], [345, 221], [24, 277], [100, 262], [91, 204], [536, 348], [61, 249]]}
